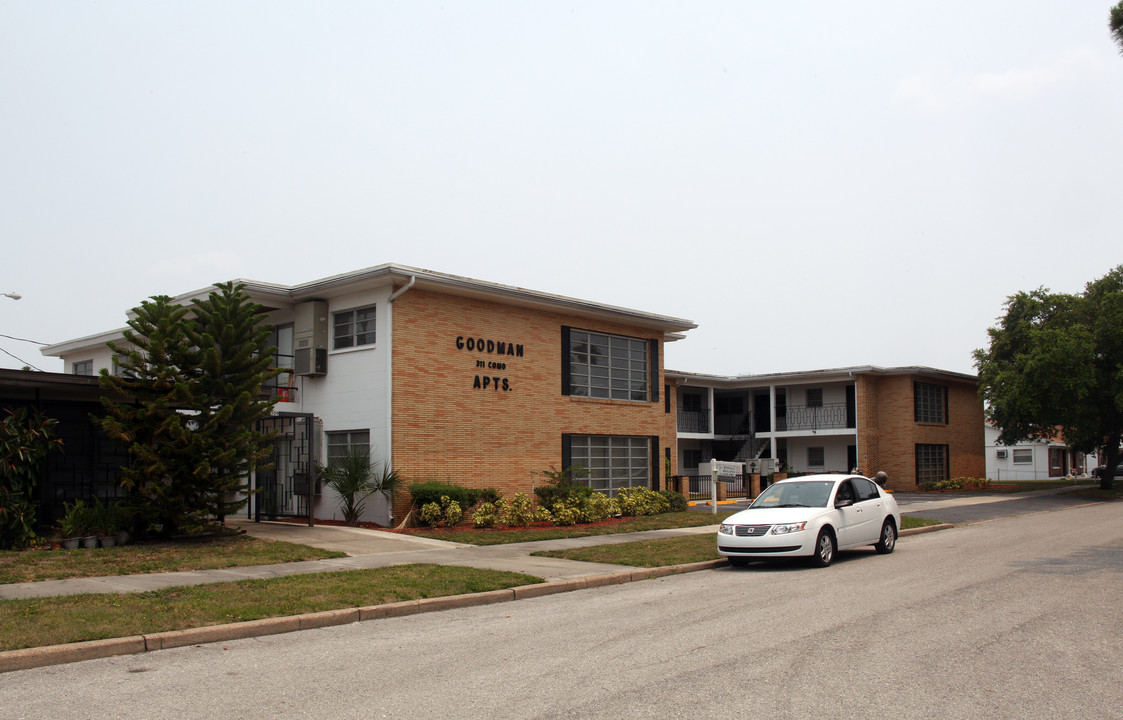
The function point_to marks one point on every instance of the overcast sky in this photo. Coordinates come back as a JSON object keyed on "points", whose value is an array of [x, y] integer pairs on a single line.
{"points": [[815, 184]]}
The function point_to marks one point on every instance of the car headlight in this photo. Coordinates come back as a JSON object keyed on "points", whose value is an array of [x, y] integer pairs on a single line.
{"points": [[725, 529], [788, 528]]}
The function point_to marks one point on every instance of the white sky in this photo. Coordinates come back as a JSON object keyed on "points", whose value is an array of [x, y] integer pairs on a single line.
{"points": [[816, 184]]}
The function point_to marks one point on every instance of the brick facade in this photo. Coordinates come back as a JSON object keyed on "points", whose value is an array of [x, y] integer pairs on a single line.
{"points": [[485, 419], [888, 431]]}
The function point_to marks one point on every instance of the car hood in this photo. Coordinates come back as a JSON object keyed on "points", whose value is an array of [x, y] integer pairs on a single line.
{"points": [[773, 516]]}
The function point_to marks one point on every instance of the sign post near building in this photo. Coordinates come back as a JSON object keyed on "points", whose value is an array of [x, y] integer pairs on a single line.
{"points": [[713, 486]]}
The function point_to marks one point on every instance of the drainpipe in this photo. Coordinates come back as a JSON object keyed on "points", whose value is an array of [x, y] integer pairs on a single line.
{"points": [[390, 373]]}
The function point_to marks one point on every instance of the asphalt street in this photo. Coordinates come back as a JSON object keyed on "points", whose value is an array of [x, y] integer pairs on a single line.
{"points": [[1015, 618]]}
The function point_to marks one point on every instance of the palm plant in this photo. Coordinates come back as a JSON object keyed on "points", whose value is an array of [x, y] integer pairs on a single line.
{"points": [[354, 478]]}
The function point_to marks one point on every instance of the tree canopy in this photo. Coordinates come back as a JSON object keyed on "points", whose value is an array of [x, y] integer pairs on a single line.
{"points": [[192, 379], [1055, 364], [1115, 24]]}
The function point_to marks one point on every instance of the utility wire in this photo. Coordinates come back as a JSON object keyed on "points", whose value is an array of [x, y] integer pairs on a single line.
{"points": [[35, 342], [22, 361]]}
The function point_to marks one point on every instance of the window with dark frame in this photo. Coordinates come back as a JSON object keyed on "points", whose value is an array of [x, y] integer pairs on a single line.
{"points": [[343, 442], [613, 367], [816, 457], [815, 397], [353, 328], [931, 463], [84, 367], [930, 403], [612, 462]]}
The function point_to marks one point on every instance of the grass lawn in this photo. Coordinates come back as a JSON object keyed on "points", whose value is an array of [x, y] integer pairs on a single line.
{"points": [[73, 618], [500, 536], [35, 565], [669, 551]]}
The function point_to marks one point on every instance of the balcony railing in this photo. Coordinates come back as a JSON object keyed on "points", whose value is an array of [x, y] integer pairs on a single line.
{"points": [[832, 416], [699, 422], [733, 424], [693, 422]]}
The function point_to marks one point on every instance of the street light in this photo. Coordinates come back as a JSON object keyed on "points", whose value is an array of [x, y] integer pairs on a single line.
{"points": [[12, 295]]}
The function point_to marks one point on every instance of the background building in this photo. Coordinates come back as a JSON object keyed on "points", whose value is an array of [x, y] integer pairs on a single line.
{"points": [[1033, 459], [917, 424]]}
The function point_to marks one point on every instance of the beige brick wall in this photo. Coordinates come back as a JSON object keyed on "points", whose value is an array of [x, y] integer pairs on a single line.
{"points": [[448, 426], [888, 433]]}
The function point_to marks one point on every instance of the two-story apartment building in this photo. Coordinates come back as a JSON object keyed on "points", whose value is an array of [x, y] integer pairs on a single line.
{"points": [[914, 423], [454, 379], [451, 379]]}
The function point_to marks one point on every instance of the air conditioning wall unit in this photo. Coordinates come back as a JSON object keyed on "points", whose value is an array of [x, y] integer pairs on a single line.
{"points": [[310, 339], [1001, 454]]}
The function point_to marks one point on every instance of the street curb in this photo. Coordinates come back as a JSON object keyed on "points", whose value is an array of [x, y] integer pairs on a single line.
{"points": [[925, 529], [28, 658]]}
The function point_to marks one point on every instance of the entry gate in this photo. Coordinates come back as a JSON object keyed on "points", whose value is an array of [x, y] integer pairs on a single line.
{"points": [[284, 490]]}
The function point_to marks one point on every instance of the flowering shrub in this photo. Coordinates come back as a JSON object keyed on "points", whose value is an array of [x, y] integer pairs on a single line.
{"points": [[430, 514], [485, 516], [519, 511], [599, 506], [641, 501], [565, 514], [960, 483], [448, 512]]}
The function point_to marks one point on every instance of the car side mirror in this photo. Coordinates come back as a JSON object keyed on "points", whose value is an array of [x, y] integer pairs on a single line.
{"points": [[843, 503]]}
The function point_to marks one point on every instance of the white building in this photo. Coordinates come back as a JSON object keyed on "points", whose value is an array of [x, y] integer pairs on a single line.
{"points": [[1032, 459]]}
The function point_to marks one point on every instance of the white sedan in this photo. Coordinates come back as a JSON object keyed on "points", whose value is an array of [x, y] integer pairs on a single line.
{"points": [[814, 517]]}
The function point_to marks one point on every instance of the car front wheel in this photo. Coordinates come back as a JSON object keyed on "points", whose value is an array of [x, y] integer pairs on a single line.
{"points": [[824, 549], [888, 539]]}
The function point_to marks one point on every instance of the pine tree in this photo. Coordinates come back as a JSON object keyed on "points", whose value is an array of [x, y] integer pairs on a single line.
{"points": [[235, 361], [143, 399], [186, 401]]}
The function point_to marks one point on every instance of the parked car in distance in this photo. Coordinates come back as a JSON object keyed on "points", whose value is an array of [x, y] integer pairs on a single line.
{"points": [[813, 516]]}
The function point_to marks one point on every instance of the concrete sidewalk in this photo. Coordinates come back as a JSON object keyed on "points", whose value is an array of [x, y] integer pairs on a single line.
{"points": [[365, 549]]}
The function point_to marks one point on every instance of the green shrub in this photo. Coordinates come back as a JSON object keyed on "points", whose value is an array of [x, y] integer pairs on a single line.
{"points": [[431, 491], [959, 483], [565, 514], [675, 501], [448, 512], [599, 506], [561, 485], [637, 501], [430, 514], [518, 512], [485, 516]]}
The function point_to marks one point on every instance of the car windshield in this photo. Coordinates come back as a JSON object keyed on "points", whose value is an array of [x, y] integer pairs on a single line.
{"points": [[795, 494]]}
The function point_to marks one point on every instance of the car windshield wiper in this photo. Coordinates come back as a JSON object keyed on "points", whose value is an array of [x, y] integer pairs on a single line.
{"points": [[792, 505]]}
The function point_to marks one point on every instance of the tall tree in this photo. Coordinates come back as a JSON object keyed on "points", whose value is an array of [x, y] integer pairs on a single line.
{"points": [[149, 385], [235, 361], [190, 379], [1115, 24], [1055, 362]]}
